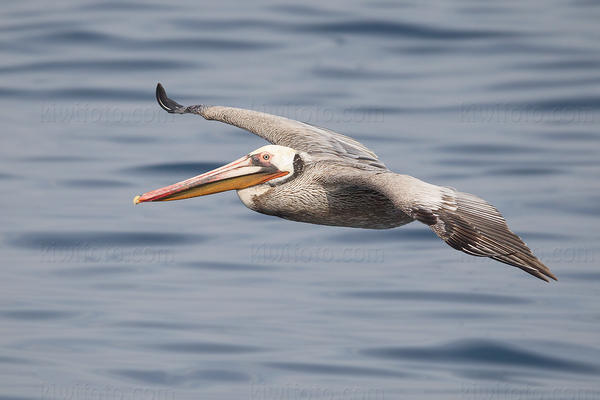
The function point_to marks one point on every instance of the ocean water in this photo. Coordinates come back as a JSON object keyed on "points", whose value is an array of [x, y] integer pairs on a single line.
{"points": [[204, 299]]}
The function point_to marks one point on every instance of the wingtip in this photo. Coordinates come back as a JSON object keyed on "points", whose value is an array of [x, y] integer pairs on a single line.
{"points": [[544, 271], [165, 102], [539, 270]]}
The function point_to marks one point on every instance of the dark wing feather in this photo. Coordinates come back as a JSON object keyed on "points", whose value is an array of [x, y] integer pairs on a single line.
{"points": [[464, 221], [319, 142], [470, 224]]}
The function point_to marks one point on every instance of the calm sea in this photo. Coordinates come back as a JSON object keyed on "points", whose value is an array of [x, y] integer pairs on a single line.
{"points": [[204, 299]]}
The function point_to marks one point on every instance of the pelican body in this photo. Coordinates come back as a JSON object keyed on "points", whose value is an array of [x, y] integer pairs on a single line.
{"points": [[314, 175]]}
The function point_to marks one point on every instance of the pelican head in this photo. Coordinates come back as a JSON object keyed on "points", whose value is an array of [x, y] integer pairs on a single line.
{"points": [[268, 165]]}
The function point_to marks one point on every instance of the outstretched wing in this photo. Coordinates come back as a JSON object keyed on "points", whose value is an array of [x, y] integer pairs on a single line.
{"points": [[464, 221], [319, 142]]}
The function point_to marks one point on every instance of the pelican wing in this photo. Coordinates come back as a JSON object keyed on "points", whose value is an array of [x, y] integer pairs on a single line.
{"points": [[319, 142], [464, 221]]}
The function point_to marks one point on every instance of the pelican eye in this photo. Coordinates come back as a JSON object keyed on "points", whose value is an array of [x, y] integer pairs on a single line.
{"points": [[266, 157]]}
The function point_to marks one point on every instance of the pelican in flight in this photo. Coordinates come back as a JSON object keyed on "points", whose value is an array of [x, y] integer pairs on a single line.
{"points": [[314, 175]]}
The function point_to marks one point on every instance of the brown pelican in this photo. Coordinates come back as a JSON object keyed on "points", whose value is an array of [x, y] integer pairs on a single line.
{"points": [[311, 174]]}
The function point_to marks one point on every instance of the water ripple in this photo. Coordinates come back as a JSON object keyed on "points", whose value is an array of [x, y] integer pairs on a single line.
{"points": [[89, 93], [230, 267], [55, 159], [67, 240], [565, 104], [7, 176], [212, 24], [437, 296], [89, 38], [129, 139], [92, 272], [14, 360], [561, 65], [489, 148], [182, 168], [150, 325], [586, 206], [356, 73], [524, 171], [46, 26], [120, 6], [115, 65], [160, 377], [485, 48], [583, 276], [37, 315], [221, 45], [570, 136], [334, 369], [93, 183], [379, 236], [204, 348], [8, 397], [481, 351], [520, 85], [401, 29], [301, 9]]}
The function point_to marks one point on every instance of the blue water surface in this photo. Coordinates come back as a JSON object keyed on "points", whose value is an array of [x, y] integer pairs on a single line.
{"points": [[204, 299]]}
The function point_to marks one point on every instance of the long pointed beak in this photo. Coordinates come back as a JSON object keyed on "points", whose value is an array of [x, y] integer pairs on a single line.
{"points": [[239, 174]]}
